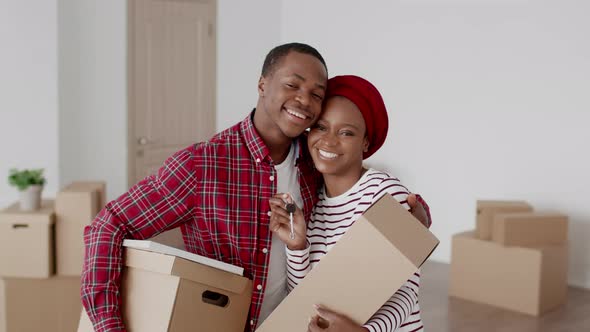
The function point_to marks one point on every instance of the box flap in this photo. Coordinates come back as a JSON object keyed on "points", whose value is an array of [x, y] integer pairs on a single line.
{"points": [[401, 229], [153, 246], [183, 268], [209, 276]]}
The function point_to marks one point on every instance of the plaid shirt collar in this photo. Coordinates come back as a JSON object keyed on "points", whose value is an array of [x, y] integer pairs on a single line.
{"points": [[258, 148], [254, 142]]}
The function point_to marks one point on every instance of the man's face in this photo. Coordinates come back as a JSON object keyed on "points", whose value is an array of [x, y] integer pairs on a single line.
{"points": [[292, 93]]}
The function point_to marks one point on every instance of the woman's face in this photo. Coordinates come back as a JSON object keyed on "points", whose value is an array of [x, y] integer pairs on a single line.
{"points": [[338, 139]]}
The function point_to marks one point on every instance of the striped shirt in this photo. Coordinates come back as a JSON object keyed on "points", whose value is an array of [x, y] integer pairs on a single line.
{"points": [[330, 219], [217, 192]]}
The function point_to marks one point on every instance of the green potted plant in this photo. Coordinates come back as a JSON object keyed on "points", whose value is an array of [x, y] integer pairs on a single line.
{"points": [[30, 184]]}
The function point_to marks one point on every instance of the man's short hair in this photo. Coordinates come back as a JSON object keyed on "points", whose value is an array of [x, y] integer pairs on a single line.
{"points": [[278, 53]]}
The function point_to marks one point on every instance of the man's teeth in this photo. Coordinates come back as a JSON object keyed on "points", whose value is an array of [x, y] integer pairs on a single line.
{"points": [[327, 154], [299, 115]]}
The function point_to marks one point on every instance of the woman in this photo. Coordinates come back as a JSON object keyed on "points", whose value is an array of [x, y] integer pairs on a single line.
{"points": [[351, 128]]}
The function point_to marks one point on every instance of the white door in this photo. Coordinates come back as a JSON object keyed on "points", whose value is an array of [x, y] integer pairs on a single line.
{"points": [[172, 79], [171, 83]]}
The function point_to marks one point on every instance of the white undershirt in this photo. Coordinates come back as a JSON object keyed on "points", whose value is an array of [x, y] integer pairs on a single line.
{"points": [[276, 284]]}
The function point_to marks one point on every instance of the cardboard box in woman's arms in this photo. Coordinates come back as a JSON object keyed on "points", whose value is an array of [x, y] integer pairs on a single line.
{"points": [[375, 257]]}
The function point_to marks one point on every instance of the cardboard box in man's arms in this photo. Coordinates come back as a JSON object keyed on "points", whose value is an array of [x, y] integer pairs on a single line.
{"points": [[165, 289], [375, 257]]}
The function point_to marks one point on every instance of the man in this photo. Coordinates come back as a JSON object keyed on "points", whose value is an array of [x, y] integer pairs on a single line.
{"points": [[218, 192]]}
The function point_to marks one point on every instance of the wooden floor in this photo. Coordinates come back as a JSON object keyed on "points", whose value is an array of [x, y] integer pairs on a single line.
{"points": [[442, 313]]}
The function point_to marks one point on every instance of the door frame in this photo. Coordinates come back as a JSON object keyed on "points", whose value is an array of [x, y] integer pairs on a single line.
{"points": [[131, 141]]}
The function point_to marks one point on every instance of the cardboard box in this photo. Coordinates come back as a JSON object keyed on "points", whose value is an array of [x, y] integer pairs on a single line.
{"points": [[75, 207], [27, 241], [162, 293], [375, 257], [487, 209], [172, 238], [33, 305], [526, 280], [528, 229]]}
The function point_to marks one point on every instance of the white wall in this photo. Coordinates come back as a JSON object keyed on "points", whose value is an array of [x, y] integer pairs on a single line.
{"points": [[90, 127], [93, 92], [247, 30], [28, 92], [486, 101]]}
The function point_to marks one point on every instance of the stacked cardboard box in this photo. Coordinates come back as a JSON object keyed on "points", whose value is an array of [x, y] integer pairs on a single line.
{"points": [[34, 245], [75, 207], [515, 259], [486, 210], [50, 304]]}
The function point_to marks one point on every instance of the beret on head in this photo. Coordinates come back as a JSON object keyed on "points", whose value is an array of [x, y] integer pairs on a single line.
{"points": [[369, 101]]}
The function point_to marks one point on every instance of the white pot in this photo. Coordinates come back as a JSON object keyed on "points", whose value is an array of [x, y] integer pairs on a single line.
{"points": [[30, 198]]}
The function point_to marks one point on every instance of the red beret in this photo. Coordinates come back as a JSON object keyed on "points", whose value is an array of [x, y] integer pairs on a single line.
{"points": [[369, 101]]}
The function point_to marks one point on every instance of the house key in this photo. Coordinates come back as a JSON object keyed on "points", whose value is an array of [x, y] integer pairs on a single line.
{"points": [[290, 207]]}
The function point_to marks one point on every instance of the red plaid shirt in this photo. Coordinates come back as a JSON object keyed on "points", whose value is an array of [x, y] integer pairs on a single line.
{"points": [[218, 193]]}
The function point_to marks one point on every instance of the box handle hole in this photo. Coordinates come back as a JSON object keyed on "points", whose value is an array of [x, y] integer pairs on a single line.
{"points": [[16, 226], [215, 298]]}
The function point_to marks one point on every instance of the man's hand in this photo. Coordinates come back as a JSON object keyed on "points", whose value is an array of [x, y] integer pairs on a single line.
{"points": [[418, 210], [330, 321]]}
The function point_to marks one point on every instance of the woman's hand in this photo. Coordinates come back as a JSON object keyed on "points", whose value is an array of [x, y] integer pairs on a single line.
{"points": [[330, 321], [418, 211], [279, 222]]}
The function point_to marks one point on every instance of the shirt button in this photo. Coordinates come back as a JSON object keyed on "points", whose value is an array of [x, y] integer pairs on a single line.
{"points": [[252, 322], [259, 287], [264, 250], [269, 213], [257, 160], [272, 178]]}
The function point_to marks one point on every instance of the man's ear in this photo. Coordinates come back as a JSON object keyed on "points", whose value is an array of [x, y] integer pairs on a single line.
{"points": [[261, 86]]}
